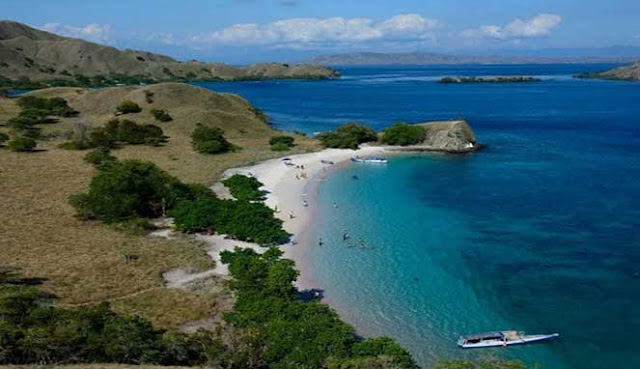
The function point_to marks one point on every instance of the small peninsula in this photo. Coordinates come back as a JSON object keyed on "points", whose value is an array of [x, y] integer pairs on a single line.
{"points": [[496, 79], [625, 73]]}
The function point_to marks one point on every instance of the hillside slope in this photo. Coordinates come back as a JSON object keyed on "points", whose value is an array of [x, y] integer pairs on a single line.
{"points": [[626, 73], [84, 262], [40, 56]]}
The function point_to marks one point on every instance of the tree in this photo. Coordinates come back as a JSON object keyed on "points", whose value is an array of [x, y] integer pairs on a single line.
{"points": [[128, 107], [403, 134], [131, 189], [348, 136], [210, 140], [22, 144]]}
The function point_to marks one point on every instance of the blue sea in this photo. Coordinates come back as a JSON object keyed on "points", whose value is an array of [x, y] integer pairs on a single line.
{"points": [[538, 232]]}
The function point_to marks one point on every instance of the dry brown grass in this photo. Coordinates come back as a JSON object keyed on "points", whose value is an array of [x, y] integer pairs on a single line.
{"points": [[84, 262]]}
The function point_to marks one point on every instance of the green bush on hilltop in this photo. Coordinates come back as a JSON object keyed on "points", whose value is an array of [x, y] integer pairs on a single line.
{"points": [[402, 134], [161, 115], [128, 132], [55, 106], [348, 136], [244, 187], [210, 140], [128, 107]]}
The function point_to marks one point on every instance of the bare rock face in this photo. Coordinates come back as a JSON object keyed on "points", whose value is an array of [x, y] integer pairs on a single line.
{"points": [[449, 136]]}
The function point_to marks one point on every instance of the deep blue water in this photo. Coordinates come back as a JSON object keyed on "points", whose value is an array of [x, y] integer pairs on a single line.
{"points": [[539, 232]]}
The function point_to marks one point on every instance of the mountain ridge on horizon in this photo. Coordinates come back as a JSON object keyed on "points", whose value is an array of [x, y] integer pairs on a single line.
{"points": [[433, 58]]}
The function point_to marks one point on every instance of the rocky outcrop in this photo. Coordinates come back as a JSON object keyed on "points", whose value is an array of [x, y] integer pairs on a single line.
{"points": [[455, 136], [626, 73]]}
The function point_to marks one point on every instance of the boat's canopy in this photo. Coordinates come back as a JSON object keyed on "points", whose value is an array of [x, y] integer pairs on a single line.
{"points": [[484, 336]]}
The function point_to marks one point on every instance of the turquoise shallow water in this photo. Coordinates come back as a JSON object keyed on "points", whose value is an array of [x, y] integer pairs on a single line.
{"points": [[539, 232]]}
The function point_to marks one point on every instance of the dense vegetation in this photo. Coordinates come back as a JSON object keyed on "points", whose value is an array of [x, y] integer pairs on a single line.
{"points": [[403, 134], [131, 189], [128, 190], [281, 143], [161, 115], [348, 136], [210, 140], [244, 187], [128, 107], [33, 331], [35, 111], [129, 132], [290, 332], [114, 134]]}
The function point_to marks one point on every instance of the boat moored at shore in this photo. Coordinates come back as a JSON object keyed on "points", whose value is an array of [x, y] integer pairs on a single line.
{"points": [[502, 338], [372, 160]]}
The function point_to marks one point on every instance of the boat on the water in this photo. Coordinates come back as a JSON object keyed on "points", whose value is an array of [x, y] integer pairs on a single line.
{"points": [[502, 338], [358, 159]]}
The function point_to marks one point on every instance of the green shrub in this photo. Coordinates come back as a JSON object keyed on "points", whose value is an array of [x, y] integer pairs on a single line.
{"points": [[71, 145], [210, 140], [3, 138], [161, 115], [99, 157], [403, 134], [280, 147], [287, 140], [129, 132], [128, 107], [244, 187], [348, 136], [55, 106], [281, 143], [22, 144]]}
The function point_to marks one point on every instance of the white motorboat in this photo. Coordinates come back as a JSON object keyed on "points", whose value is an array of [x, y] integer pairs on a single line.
{"points": [[358, 159], [502, 338]]}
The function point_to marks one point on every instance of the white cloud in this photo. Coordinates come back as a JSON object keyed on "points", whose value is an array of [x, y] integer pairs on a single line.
{"points": [[539, 26], [92, 32], [316, 32]]}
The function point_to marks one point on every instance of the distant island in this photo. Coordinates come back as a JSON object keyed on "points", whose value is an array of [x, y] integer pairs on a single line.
{"points": [[31, 58], [425, 58], [496, 79], [626, 73]]}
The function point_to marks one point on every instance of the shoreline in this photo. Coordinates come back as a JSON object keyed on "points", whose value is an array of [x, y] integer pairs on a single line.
{"points": [[287, 188]]}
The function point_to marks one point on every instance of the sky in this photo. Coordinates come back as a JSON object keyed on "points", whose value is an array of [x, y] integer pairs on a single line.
{"points": [[243, 31]]}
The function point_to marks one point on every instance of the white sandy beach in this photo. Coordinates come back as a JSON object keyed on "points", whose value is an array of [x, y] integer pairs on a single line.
{"points": [[288, 187]]}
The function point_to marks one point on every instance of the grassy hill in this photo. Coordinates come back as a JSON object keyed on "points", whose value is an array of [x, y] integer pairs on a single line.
{"points": [[42, 56], [84, 262]]}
